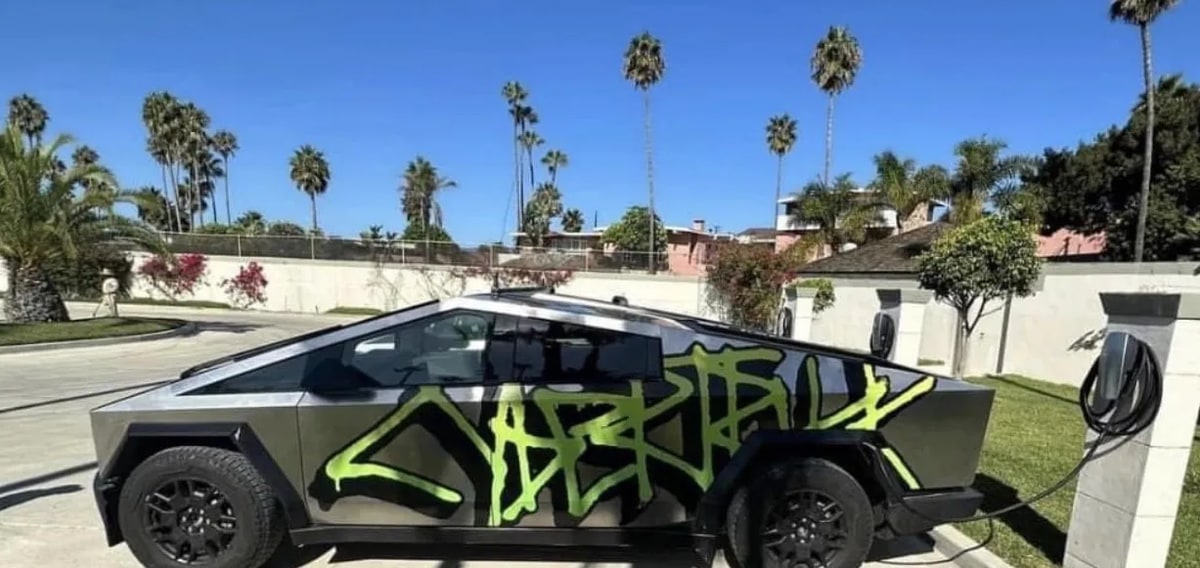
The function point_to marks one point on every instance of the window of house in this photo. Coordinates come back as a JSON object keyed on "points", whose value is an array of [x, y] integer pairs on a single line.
{"points": [[445, 349], [541, 351]]}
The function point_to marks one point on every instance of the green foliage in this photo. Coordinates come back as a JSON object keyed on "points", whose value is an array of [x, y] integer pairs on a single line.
{"points": [[980, 262], [825, 297], [745, 282], [836, 60], [841, 214], [80, 278], [572, 221], [1095, 186], [309, 170], [285, 229], [900, 185], [631, 234], [982, 172], [545, 205], [643, 63], [418, 193], [432, 233]]}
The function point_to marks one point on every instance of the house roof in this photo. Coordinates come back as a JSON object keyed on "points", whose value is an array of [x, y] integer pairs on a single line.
{"points": [[758, 233], [895, 254]]}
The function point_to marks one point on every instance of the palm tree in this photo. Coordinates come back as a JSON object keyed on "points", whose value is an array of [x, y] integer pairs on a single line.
{"points": [[572, 221], [1142, 13], [225, 144], [252, 223], [310, 173], [515, 94], [157, 212], [418, 194], [981, 172], [555, 160], [30, 116], [545, 205], [900, 185], [781, 137], [530, 140], [43, 220], [835, 64], [159, 114], [644, 66], [839, 211]]}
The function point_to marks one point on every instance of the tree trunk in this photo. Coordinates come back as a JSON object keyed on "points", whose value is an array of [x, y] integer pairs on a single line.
{"points": [[517, 178], [33, 297], [653, 264], [1139, 242], [175, 190], [313, 198], [166, 196], [828, 139], [961, 346], [228, 209], [216, 220], [532, 184], [778, 190]]}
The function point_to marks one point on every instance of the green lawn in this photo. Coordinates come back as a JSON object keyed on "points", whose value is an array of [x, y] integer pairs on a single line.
{"points": [[1035, 438], [179, 303], [354, 311], [25, 334]]}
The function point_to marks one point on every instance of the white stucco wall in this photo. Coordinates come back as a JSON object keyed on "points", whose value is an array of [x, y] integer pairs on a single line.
{"points": [[1046, 339]]}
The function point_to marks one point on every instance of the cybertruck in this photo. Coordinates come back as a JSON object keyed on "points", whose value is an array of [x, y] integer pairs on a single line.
{"points": [[531, 418]]}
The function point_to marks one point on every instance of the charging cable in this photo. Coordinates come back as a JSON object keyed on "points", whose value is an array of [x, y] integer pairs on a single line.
{"points": [[1128, 414]]}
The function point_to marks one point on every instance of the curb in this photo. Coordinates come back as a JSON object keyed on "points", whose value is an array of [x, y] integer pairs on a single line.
{"points": [[185, 329], [952, 543]]}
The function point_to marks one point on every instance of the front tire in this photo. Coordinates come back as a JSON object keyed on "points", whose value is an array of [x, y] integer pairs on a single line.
{"points": [[800, 513], [199, 506]]}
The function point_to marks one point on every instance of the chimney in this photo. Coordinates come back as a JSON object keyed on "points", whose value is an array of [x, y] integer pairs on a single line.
{"points": [[698, 225]]}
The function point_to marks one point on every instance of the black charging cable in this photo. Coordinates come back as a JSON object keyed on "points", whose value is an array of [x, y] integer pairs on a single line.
{"points": [[1133, 410]]}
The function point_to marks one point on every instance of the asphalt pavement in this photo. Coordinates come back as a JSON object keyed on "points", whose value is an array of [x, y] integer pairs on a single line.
{"points": [[47, 513]]}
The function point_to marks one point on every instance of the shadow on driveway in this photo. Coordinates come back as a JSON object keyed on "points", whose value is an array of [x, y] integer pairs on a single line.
{"points": [[40, 479], [14, 499], [78, 397], [1040, 532]]}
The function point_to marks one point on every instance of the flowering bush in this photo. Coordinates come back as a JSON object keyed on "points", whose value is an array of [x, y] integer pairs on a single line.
{"points": [[249, 287], [745, 281], [174, 276]]}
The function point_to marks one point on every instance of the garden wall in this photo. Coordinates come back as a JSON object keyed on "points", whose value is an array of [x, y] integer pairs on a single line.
{"points": [[1052, 335]]}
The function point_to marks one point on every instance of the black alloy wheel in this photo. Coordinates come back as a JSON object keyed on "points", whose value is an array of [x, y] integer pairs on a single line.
{"points": [[190, 520], [806, 529]]}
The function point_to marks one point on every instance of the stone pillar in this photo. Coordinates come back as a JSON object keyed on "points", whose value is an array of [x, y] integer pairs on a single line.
{"points": [[1127, 499], [800, 299], [907, 308]]}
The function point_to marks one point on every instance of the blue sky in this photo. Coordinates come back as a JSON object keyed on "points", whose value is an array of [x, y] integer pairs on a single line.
{"points": [[374, 84]]}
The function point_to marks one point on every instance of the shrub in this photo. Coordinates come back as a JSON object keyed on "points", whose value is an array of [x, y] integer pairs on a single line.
{"points": [[248, 288], [825, 296], [175, 276], [79, 278], [745, 280]]}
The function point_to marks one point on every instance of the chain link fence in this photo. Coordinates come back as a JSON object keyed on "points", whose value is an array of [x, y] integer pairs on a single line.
{"points": [[431, 253]]}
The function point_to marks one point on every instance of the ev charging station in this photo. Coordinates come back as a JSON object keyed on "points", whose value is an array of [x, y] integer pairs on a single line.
{"points": [[1140, 401], [794, 318], [897, 326]]}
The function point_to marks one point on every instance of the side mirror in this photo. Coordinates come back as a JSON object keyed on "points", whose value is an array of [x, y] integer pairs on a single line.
{"points": [[883, 335]]}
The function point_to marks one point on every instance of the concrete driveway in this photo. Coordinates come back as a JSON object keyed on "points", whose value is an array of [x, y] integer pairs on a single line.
{"points": [[48, 517]]}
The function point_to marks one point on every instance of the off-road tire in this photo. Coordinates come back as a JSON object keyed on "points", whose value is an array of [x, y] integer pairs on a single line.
{"points": [[259, 527], [747, 509]]}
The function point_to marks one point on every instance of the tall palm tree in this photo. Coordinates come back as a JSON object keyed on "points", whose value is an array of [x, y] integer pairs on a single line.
{"points": [[835, 64], [781, 137], [418, 193], [644, 66], [555, 160], [545, 205], [225, 144], [839, 212], [572, 221], [44, 220], [159, 116], [310, 173], [530, 140], [515, 95], [980, 172], [30, 116], [899, 184], [1143, 13]]}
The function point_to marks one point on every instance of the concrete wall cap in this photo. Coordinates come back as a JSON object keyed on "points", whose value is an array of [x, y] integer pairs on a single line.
{"points": [[1175, 306], [905, 295]]}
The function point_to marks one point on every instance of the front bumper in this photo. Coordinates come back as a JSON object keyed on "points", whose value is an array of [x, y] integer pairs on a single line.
{"points": [[917, 513], [107, 492]]}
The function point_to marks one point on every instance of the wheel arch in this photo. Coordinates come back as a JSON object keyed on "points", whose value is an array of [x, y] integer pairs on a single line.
{"points": [[857, 451], [142, 440]]}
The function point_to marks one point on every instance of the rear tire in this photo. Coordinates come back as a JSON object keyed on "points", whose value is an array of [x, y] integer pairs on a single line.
{"points": [[207, 506], [810, 509]]}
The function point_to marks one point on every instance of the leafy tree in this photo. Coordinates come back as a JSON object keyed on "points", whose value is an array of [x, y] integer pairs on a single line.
{"points": [[432, 234], [285, 229], [29, 116], [781, 137], [418, 193], [1143, 13], [310, 173], [900, 185], [629, 235], [841, 213], [555, 160], [1095, 187], [572, 221], [973, 264], [545, 205], [980, 173], [745, 280], [835, 64], [644, 66], [45, 222], [225, 144]]}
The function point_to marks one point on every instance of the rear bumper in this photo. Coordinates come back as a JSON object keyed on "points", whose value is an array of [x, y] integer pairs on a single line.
{"points": [[916, 513]]}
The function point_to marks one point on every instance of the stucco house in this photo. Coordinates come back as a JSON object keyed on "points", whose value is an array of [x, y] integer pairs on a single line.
{"points": [[689, 248]]}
